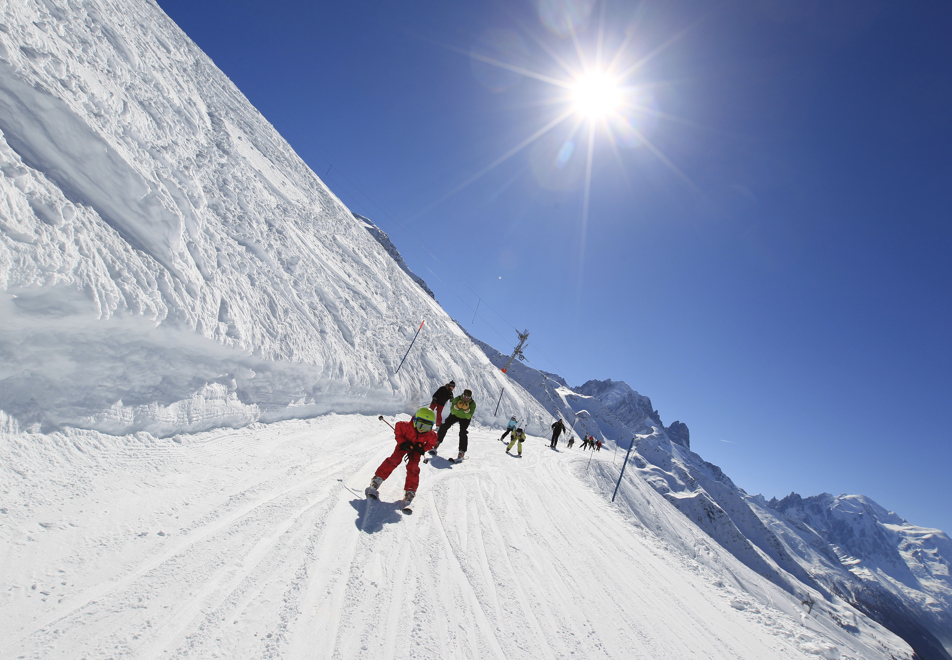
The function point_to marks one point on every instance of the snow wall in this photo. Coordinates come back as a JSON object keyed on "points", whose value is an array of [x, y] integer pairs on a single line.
{"points": [[168, 263]]}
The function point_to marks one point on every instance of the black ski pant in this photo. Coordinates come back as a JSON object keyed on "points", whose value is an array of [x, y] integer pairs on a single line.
{"points": [[508, 431], [463, 433], [555, 437]]}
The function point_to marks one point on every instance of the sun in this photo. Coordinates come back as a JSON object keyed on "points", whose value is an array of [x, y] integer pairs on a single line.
{"points": [[596, 95], [601, 94]]}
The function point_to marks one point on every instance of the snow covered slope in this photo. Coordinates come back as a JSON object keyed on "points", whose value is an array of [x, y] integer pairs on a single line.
{"points": [[258, 543], [894, 571], [845, 547], [167, 262]]}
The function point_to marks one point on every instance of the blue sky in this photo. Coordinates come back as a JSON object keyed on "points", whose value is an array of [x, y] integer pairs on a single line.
{"points": [[763, 249]]}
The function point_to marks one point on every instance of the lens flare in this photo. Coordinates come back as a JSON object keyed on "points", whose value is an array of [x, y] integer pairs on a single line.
{"points": [[596, 95], [565, 17]]}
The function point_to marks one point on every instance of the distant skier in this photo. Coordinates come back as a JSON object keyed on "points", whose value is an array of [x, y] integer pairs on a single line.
{"points": [[557, 428], [517, 436], [461, 412], [598, 445], [414, 439], [440, 397], [509, 429], [571, 441]]}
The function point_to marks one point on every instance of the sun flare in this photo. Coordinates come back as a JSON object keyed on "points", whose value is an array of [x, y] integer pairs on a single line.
{"points": [[602, 88], [596, 95]]}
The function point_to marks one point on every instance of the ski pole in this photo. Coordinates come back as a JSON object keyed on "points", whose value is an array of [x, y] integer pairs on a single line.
{"points": [[411, 346]]}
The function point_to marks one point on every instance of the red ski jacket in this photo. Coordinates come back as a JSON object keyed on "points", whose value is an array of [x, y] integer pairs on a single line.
{"points": [[409, 439]]}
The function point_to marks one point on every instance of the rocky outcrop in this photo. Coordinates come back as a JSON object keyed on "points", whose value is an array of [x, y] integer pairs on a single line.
{"points": [[626, 405], [679, 434]]}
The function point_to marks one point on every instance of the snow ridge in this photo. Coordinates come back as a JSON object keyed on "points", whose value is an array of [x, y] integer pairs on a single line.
{"points": [[168, 263], [392, 250]]}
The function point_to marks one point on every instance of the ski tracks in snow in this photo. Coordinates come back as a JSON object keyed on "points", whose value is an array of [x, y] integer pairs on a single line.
{"points": [[264, 499], [270, 551]]}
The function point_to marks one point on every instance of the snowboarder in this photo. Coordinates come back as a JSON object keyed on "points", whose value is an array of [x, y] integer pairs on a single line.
{"points": [[440, 397], [461, 412], [557, 428], [509, 429], [571, 441], [414, 438], [517, 436]]}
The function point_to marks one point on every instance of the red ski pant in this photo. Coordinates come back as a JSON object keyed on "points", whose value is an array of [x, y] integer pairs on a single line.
{"points": [[413, 468], [439, 413]]}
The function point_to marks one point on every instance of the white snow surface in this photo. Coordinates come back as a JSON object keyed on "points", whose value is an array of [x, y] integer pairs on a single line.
{"points": [[168, 263], [258, 543]]}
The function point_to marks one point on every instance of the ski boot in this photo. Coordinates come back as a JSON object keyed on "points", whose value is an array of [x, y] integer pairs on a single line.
{"points": [[371, 490], [459, 458], [407, 499]]}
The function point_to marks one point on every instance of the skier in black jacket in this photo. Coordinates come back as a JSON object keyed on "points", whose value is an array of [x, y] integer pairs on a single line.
{"points": [[557, 429], [440, 397]]}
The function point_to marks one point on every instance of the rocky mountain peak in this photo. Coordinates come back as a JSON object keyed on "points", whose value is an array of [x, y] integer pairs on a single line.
{"points": [[629, 407]]}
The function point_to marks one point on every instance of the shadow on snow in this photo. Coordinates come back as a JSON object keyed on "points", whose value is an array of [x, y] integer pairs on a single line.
{"points": [[372, 515]]}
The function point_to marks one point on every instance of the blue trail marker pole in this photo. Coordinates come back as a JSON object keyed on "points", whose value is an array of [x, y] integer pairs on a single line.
{"points": [[411, 346], [623, 466]]}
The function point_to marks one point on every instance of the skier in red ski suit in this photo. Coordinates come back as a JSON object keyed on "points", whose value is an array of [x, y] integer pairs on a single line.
{"points": [[412, 444]]}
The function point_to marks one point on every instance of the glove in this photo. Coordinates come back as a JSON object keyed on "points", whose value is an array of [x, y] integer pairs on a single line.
{"points": [[418, 448], [406, 445]]}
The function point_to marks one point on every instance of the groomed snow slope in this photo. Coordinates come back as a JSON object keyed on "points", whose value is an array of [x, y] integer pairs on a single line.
{"points": [[258, 543]]}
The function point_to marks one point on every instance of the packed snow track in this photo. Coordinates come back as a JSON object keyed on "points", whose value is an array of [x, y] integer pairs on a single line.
{"points": [[258, 543]]}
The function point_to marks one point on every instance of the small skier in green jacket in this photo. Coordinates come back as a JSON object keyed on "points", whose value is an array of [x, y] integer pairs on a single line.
{"points": [[461, 412]]}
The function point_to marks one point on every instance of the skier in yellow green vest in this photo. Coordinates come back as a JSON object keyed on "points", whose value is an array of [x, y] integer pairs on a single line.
{"points": [[461, 412]]}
